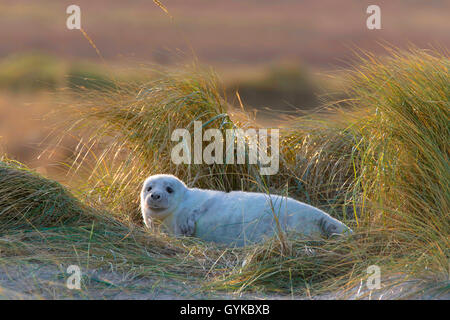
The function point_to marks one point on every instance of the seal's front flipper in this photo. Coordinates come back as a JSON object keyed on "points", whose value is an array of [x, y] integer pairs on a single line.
{"points": [[187, 224]]}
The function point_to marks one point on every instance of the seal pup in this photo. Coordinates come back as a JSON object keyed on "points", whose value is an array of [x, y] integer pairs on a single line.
{"points": [[232, 218]]}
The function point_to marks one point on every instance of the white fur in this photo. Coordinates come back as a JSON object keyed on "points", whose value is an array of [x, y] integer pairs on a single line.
{"points": [[233, 218]]}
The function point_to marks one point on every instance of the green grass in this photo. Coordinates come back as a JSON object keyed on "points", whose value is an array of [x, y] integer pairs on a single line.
{"points": [[404, 170], [26, 200], [381, 160], [84, 76], [31, 72], [42, 223], [378, 161], [126, 136]]}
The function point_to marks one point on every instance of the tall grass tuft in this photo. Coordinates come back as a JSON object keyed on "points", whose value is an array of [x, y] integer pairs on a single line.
{"points": [[27, 200], [126, 136], [404, 168]]}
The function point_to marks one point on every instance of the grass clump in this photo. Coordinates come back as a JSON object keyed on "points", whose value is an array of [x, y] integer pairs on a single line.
{"points": [[30, 72], [405, 142], [383, 155], [82, 76], [404, 168], [44, 229], [27, 200], [127, 136], [319, 152]]}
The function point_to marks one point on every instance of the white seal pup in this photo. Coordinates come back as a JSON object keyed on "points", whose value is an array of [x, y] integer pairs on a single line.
{"points": [[232, 218]]}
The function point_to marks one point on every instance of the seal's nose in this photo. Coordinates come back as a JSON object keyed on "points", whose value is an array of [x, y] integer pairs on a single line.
{"points": [[155, 196]]}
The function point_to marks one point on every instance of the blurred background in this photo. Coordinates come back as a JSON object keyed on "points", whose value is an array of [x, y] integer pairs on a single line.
{"points": [[281, 56]]}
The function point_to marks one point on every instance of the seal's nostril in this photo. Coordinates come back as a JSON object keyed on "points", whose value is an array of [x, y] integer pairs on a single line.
{"points": [[155, 196]]}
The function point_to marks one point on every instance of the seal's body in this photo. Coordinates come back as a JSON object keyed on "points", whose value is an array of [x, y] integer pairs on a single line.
{"points": [[232, 218]]}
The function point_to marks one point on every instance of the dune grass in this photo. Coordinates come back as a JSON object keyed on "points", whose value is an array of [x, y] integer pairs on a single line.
{"points": [[26, 200], [31, 72], [126, 136], [381, 158], [37, 71], [43, 223], [404, 169], [378, 161]]}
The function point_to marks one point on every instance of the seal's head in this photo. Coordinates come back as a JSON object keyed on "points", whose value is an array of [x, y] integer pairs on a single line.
{"points": [[160, 196]]}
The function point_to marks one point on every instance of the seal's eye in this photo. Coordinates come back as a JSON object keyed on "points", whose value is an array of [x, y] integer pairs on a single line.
{"points": [[149, 189], [169, 189]]}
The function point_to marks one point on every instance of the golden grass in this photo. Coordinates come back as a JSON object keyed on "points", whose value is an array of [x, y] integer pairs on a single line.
{"points": [[379, 162]]}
